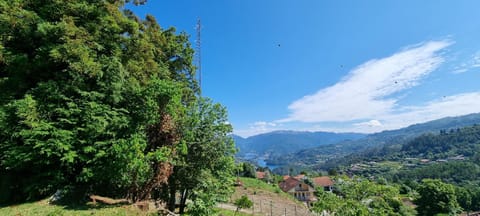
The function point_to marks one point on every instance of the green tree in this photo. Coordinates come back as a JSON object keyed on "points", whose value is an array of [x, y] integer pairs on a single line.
{"points": [[436, 197], [243, 202], [326, 201], [331, 203], [332, 172], [248, 170], [361, 197], [97, 100], [464, 197], [206, 168], [268, 177]]}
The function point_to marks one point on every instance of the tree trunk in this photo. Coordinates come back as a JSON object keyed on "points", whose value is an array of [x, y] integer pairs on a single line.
{"points": [[183, 201], [172, 198]]}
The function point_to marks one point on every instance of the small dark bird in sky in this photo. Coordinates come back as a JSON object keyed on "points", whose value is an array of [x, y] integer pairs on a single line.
{"points": [[278, 45], [396, 82]]}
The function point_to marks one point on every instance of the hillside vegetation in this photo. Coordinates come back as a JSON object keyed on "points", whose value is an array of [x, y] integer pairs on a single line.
{"points": [[329, 156], [284, 142], [451, 156], [95, 100]]}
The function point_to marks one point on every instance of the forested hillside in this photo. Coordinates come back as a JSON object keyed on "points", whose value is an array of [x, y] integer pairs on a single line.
{"points": [[452, 156], [95, 100], [456, 144], [284, 142], [329, 156]]}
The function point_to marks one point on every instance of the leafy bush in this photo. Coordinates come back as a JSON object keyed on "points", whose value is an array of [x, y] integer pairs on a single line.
{"points": [[243, 202]]}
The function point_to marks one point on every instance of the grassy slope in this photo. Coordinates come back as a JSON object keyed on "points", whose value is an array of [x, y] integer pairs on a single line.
{"points": [[43, 208], [225, 212], [251, 185], [258, 191], [268, 199]]}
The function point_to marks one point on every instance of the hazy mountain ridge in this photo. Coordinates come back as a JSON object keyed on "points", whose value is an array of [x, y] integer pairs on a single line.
{"points": [[334, 152], [284, 142]]}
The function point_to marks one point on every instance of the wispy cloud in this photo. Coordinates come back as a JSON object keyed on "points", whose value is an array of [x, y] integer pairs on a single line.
{"points": [[473, 62], [365, 93], [454, 105], [367, 99], [371, 123], [258, 128]]}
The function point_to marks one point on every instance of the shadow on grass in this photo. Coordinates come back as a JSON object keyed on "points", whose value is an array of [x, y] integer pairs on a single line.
{"points": [[82, 204], [87, 206], [14, 204]]}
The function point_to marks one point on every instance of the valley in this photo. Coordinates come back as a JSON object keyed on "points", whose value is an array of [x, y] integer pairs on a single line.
{"points": [[328, 154], [446, 150]]}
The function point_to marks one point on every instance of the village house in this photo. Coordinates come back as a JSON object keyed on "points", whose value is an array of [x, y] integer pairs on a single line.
{"points": [[298, 189], [325, 182], [264, 176]]}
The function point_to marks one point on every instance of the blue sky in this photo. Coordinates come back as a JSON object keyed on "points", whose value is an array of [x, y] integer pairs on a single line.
{"points": [[356, 66]]}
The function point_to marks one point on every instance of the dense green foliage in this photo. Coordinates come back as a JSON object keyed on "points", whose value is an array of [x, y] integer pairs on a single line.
{"points": [[243, 202], [458, 172], [95, 100], [436, 197], [361, 197], [205, 171], [246, 169], [326, 157], [461, 141], [451, 156]]}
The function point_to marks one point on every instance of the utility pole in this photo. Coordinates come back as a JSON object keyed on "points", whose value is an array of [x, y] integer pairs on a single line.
{"points": [[198, 52]]}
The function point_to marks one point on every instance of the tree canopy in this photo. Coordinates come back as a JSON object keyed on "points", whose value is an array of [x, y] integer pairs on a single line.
{"points": [[437, 197], [360, 197], [94, 99]]}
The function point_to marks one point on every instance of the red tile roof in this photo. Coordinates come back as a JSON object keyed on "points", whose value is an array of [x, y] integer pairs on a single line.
{"points": [[323, 181], [285, 177], [260, 175], [300, 177], [288, 184]]}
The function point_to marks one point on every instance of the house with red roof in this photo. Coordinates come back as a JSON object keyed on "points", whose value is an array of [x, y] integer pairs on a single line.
{"points": [[323, 181], [265, 176], [298, 189]]}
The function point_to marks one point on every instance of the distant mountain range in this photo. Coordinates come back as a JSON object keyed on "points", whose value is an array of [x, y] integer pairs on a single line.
{"points": [[332, 153], [284, 142]]}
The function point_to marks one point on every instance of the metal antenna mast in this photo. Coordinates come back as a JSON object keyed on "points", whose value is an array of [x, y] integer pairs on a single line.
{"points": [[198, 51]]}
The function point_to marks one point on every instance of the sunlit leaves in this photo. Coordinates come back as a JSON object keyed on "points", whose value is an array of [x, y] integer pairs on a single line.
{"points": [[80, 83]]}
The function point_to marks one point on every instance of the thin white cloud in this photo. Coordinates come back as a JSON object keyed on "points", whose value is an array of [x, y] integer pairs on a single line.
{"points": [[263, 124], [371, 123], [455, 105], [473, 62], [460, 70], [364, 92], [367, 99], [476, 60], [258, 128]]}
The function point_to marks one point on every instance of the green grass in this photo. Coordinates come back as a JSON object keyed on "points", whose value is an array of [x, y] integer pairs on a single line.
{"points": [[43, 208], [259, 185], [225, 212]]}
